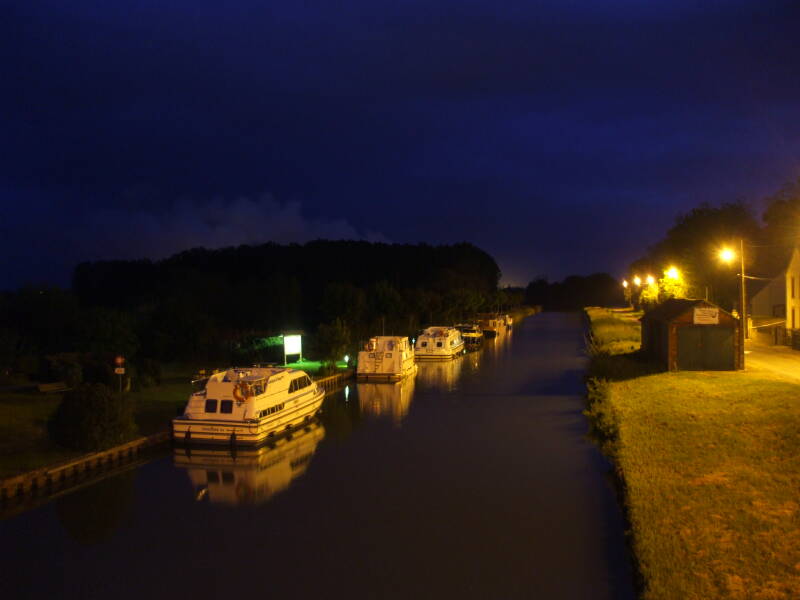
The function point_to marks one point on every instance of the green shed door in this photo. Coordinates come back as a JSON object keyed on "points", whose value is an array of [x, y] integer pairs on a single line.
{"points": [[706, 348]]}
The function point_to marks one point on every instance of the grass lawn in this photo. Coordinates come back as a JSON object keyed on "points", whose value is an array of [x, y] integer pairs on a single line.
{"points": [[711, 466], [24, 444]]}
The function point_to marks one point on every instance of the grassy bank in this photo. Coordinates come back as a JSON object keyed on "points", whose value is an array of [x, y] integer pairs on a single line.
{"points": [[24, 443], [711, 470]]}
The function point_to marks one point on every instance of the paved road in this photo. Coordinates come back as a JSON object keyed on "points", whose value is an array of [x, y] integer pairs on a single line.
{"points": [[780, 360]]}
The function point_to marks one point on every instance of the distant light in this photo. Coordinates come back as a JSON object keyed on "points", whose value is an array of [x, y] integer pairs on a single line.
{"points": [[650, 280], [637, 280], [625, 283], [672, 273], [346, 358], [727, 255], [346, 392]]}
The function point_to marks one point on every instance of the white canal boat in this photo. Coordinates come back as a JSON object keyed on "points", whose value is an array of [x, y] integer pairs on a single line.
{"points": [[246, 406], [439, 343], [472, 334], [386, 358], [492, 325]]}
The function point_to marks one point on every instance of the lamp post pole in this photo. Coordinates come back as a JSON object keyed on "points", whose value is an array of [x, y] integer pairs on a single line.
{"points": [[742, 302]]}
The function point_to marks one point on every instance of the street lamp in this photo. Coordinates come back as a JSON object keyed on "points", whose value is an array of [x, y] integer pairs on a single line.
{"points": [[627, 292], [727, 255]]}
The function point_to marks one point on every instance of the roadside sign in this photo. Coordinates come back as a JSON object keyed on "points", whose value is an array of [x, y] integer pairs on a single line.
{"points": [[120, 370]]}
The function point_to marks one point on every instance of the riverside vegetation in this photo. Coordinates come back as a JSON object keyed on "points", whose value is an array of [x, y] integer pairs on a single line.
{"points": [[710, 469]]}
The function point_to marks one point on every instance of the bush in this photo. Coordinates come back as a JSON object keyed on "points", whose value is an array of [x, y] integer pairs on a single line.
{"points": [[91, 417], [65, 367]]}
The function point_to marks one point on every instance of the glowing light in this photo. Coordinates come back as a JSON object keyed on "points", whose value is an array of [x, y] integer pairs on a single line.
{"points": [[637, 280], [346, 393], [625, 283], [672, 273], [346, 358], [292, 344], [727, 255], [650, 280]]}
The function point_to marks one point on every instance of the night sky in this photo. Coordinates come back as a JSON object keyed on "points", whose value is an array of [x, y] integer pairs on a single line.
{"points": [[562, 136]]}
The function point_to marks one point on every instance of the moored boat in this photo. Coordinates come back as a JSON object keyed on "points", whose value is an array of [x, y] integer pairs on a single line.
{"points": [[471, 334], [491, 324], [386, 358], [246, 406], [439, 343]]}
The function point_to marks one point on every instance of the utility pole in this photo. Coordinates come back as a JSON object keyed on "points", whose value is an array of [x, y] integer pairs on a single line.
{"points": [[742, 302]]}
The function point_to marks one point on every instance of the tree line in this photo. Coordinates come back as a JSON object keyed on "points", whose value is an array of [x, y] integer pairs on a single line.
{"points": [[693, 244], [224, 305]]}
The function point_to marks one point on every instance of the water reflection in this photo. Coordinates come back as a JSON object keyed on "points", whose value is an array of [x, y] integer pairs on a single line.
{"points": [[386, 399], [93, 514], [441, 375], [249, 476]]}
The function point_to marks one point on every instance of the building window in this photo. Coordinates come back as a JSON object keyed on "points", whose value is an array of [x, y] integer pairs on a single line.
{"points": [[792, 287], [793, 318], [438, 344], [211, 406], [226, 406]]}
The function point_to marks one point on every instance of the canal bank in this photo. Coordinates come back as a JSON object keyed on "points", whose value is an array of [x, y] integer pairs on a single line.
{"points": [[710, 468], [475, 480]]}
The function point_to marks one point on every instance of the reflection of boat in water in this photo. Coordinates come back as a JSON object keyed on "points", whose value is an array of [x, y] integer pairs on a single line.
{"points": [[441, 375], [439, 343], [383, 400], [249, 475], [387, 358], [246, 406]]}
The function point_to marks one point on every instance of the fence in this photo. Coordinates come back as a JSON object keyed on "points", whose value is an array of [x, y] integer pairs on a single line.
{"points": [[334, 382]]}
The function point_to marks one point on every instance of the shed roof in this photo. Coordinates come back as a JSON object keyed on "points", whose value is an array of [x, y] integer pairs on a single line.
{"points": [[674, 307]]}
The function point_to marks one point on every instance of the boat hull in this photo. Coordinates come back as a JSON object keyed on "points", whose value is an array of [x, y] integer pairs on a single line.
{"points": [[441, 356], [397, 376], [247, 433]]}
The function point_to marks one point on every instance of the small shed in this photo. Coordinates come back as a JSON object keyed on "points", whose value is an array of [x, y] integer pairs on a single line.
{"points": [[691, 335]]}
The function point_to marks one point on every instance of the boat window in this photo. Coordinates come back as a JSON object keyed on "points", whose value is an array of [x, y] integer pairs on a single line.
{"points": [[293, 386], [227, 477], [306, 381], [211, 406], [270, 410], [226, 406], [424, 344], [212, 476]]}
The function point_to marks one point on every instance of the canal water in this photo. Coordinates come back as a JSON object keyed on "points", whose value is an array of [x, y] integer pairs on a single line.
{"points": [[474, 480]]}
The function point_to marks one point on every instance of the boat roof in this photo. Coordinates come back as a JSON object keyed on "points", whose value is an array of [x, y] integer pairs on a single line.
{"points": [[437, 330], [252, 374]]}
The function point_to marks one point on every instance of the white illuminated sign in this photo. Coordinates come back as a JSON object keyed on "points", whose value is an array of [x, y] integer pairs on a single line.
{"points": [[292, 344]]}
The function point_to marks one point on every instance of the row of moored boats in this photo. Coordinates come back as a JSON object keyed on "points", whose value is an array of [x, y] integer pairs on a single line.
{"points": [[249, 405]]}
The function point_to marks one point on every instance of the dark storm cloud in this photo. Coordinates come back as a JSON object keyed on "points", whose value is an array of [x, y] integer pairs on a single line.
{"points": [[561, 136]]}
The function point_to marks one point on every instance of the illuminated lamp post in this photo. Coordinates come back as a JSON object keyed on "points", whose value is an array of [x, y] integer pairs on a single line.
{"points": [[637, 281], [727, 255], [627, 292]]}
